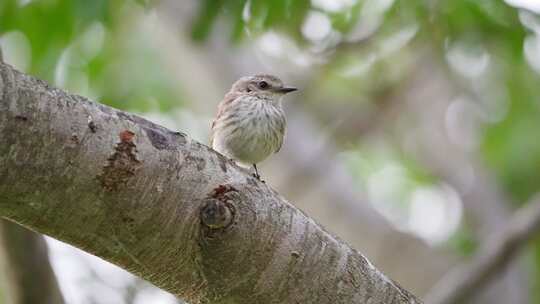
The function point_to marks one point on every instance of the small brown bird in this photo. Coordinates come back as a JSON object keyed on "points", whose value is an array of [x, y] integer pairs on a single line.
{"points": [[250, 122]]}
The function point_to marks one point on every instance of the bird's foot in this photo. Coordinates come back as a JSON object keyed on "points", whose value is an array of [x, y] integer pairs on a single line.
{"points": [[258, 177], [256, 174]]}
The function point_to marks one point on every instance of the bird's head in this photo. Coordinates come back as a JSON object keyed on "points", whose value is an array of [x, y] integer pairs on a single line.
{"points": [[262, 85]]}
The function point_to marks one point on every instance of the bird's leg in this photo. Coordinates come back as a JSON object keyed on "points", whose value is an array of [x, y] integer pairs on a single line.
{"points": [[256, 174]]}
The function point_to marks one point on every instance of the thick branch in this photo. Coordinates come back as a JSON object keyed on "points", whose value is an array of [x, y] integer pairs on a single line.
{"points": [[141, 196], [27, 272], [493, 256]]}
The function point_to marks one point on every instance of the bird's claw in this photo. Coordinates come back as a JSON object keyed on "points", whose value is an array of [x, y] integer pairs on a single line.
{"points": [[258, 177]]}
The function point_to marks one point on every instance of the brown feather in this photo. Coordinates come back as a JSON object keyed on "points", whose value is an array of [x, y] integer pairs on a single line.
{"points": [[222, 106]]}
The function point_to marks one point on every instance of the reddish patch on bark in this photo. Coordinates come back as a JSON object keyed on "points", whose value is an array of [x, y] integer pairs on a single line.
{"points": [[126, 136], [221, 190], [122, 164]]}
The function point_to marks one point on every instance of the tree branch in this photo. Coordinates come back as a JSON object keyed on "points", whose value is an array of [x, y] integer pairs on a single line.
{"points": [[165, 207], [27, 274], [462, 282]]}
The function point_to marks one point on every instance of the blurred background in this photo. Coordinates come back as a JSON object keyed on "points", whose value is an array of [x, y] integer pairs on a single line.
{"points": [[415, 136]]}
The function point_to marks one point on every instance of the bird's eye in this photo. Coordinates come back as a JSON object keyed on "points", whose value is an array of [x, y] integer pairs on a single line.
{"points": [[263, 85]]}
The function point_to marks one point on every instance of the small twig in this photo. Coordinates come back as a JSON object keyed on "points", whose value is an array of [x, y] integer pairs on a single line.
{"points": [[465, 280]]}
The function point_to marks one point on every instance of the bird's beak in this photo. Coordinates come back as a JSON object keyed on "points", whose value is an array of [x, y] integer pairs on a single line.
{"points": [[285, 90]]}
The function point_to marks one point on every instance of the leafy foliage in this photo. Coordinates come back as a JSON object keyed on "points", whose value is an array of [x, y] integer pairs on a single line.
{"points": [[51, 25], [87, 47]]}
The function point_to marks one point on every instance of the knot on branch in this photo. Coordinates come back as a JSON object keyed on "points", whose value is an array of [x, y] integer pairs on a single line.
{"points": [[218, 211], [216, 214]]}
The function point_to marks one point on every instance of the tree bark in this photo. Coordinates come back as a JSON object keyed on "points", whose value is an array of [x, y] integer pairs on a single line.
{"points": [[165, 207], [27, 274]]}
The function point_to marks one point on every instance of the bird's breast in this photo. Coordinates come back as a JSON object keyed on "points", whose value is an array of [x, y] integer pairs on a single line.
{"points": [[251, 131]]}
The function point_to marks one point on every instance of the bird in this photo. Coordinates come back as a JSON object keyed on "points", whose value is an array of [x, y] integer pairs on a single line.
{"points": [[250, 122]]}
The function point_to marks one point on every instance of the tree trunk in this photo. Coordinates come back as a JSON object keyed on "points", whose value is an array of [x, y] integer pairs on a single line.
{"points": [[27, 274], [165, 207]]}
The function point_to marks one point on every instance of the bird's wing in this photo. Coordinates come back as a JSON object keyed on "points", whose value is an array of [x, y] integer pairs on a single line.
{"points": [[281, 130], [279, 146], [222, 107]]}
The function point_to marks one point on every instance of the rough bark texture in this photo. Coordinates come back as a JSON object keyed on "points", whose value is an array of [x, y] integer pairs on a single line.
{"points": [[165, 207], [26, 272]]}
